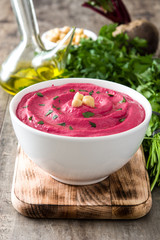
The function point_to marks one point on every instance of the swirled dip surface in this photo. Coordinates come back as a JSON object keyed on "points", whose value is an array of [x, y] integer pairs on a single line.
{"points": [[50, 110]]}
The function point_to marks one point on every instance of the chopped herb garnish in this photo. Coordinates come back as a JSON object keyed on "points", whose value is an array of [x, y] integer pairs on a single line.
{"points": [[122, 119], [111, 95], [98, 92], [55, 97], [62, 124], [70, 127], [59, 100], [91, 92], [88, 114], [49, 112], [118, 109], [41, 104], [55, 116], [92, 124], [55, 107], [30, 118], [25, 106], [41, 122], [72, 90], [81, 90], [39, 94], [123, 100]]}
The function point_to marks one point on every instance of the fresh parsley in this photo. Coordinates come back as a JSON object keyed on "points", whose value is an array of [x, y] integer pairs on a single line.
{"points": [[55, 97], [72, 90], [91, 92], [39, 94], [40, 122], [111, 95], [82, 90], [55, 107], [122, 119], [88, 114], [92, 124], [62, 124], [55, 116], [49, 112], [123, 100]]}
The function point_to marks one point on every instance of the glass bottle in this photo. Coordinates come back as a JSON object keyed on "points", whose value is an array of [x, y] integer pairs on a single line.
{"points": [[30, 62]]}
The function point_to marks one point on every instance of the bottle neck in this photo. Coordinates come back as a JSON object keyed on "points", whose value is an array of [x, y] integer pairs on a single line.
{"points": [[27, 21]]}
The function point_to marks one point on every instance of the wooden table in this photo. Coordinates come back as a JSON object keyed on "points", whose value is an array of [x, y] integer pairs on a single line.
{"points": [[52, 13]]}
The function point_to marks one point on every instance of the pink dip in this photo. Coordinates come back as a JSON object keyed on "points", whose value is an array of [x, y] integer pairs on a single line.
{"points": [[50, 110]]}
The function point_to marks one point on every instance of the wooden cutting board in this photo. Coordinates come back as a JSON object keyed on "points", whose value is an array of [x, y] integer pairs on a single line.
{"points": [[124, 195]]}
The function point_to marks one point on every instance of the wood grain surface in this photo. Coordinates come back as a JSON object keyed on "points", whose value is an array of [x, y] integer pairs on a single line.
{"points": [[124, 195], [13, 226]]}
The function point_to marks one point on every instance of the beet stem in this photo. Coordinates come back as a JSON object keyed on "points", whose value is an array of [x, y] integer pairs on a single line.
{"points": [[119, 14]]}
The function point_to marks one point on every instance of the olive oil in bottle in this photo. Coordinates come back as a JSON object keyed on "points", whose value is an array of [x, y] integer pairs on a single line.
{"points": [[30, 62], [28, 76]]}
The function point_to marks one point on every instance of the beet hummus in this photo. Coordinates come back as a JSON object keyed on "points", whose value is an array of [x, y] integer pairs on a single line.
{"points": [[50, 110]]}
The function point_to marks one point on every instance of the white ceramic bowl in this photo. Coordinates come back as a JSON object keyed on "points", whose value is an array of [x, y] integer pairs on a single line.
{"points": [[80, 160], [49, 44]]}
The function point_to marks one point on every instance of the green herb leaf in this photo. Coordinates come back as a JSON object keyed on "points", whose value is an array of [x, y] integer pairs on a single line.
{"points": [[41, 122], [98, 92], [30, 118], [55, 107], [123, 100], [118, 109], [121, 120], [25, 106], [111, 95], [70, 127], [41, 104], [55, 116], [62, 124], [49, 112], [81, 90], [92, 124], [55, 97], [88, 114], [39, 94], [72, 90], [91, 92]]}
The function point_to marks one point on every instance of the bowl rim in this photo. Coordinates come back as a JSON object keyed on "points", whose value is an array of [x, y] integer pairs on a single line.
{"points": [[17, 98]]}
